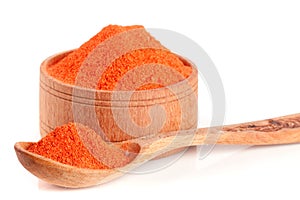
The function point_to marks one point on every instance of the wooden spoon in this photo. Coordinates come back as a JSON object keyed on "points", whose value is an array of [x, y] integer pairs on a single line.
{"points": [[281, 130]]}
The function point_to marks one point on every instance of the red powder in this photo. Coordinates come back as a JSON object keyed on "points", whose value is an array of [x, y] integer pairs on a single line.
{"points": [[67, 69], [137, 58], [77, 145], [65, 145]]}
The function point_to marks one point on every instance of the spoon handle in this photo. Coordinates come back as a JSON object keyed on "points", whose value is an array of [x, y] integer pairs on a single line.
{"points": [[280, 130]]}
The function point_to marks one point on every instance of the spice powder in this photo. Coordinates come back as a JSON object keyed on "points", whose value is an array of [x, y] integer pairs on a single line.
{"points": [[66, 70], [65, 144]]}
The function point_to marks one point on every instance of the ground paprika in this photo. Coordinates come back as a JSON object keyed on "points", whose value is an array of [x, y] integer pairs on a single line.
{"points": [[67, 144], [64, 144], [67, 69]]}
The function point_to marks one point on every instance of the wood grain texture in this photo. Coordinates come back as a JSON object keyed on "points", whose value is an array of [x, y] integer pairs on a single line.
{"points": [[281, 130]]}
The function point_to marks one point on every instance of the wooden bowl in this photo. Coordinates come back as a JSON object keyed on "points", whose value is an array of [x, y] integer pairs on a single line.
{"points": [[118, 115]]}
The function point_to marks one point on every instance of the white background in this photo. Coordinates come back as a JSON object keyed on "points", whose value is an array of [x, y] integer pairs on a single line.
{"points": [[255, 46]]}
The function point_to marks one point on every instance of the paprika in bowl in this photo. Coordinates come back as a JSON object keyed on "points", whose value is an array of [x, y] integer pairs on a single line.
{"points": [[122, 83]]}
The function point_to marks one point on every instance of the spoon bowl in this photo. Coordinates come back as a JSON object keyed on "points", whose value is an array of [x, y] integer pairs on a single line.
{"points": [[60, 174], [281, 130]]}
